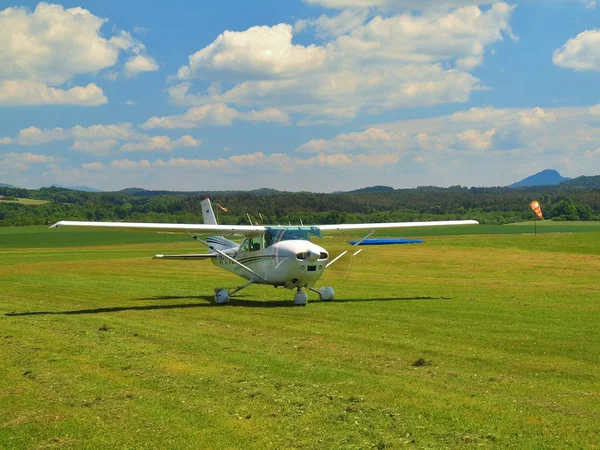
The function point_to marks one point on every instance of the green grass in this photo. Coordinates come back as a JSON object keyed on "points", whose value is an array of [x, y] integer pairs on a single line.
{"points": [[26, 201], [465, 341]]}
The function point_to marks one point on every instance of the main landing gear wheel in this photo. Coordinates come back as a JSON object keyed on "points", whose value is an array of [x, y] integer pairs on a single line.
{"points": [[221, 296], [326, 294], [300, 298]]}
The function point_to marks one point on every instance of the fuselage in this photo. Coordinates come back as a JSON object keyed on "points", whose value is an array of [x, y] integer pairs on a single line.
{"points": [[296, 263]]}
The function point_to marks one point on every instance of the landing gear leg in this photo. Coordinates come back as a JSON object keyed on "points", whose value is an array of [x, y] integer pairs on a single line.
{"points": [[300, 298]]}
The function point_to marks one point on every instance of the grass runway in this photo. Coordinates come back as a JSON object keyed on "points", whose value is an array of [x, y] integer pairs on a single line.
{"points": [[488, 340]]}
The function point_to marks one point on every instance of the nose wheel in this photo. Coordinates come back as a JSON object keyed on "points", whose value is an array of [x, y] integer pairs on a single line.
{"points": [[326, 293]]}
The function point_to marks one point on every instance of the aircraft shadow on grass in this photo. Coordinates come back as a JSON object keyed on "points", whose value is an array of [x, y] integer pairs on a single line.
{"points": [[235, 302]]}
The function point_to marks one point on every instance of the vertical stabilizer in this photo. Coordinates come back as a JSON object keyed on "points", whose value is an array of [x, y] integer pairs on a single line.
{"points": [[207, 212], [218, 242]]}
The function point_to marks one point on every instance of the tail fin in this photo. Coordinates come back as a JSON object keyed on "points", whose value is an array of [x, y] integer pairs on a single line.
{"points": [[207, 212], [218, 242]]}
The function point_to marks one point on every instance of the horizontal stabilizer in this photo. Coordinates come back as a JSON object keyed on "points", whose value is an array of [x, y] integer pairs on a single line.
{"points": [[190, 256]]}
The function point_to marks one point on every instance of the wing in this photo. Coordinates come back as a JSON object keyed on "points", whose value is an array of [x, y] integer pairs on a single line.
{"points": [[251, 230], [187, 257], [391, 226], [221, 230]]}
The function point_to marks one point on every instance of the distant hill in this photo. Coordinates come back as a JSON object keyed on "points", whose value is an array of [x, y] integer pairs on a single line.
{"points": [[141, 192], [372, 189], [78, 188], [7, 185], [133, 191], [546, 177], [582, 182]]}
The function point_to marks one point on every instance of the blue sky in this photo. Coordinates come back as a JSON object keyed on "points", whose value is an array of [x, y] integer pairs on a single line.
{"points": [[318, 95]]}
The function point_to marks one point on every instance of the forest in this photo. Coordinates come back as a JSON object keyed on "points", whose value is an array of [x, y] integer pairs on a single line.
{"points": [[577, 199]]}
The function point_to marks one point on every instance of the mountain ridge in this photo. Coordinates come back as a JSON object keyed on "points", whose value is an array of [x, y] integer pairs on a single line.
{"points": [[547, 177]]}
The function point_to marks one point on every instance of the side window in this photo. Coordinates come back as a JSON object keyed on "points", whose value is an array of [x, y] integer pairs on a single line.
{"points": [[246, 245], [255, 244], [268, 239]]}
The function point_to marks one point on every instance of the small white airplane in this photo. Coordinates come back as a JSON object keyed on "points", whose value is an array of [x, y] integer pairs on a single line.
{"points": [[270, 255]]}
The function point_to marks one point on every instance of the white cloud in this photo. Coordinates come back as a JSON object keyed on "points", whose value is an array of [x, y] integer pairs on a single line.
{"points": [[30, 158], [101, 147], [215, 114], [24, 92], [402, 60], [37, 136], [130, 102], [102, 139], [93, 166], [54, 44], [352, 142], [116, 131], [259, 51], [41, 50], [580, 53], [395, 4], [326, 26], [6, 141], [138, 64], [161, 143], [476, 147], [129, 164], [476, 140], [589, 4], [480, 139]]}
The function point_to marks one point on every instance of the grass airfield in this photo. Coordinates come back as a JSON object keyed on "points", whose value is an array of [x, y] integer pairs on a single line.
{"points": [[487, 340]]}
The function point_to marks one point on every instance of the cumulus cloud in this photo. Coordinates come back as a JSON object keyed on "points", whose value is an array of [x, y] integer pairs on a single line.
{"points": [[129, 164], [93, 166], [401, 60], [13, 162], [215, 114], [589, 4], [6, 141], [101, 147], [259, 51], [161, 143], [479, 147], [103, 139], [352, 142], [138, 64], [325, 26], [394, 4], [580, 53], [25, 92], [32, 158], [535, 138], [41, 50], [36, 136]]}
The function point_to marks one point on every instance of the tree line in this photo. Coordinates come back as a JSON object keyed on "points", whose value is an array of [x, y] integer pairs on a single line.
{"points": [[488, 205]]}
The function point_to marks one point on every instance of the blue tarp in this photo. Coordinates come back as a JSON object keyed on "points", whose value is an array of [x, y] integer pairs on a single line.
{"points": [[388, 241]]}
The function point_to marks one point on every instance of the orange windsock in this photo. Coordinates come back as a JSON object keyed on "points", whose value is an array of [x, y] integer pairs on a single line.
{"points": [[535, 207], [222, 208]]}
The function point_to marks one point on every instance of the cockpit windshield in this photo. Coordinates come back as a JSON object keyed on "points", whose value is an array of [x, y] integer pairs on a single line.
{"points": [[278, 234]]}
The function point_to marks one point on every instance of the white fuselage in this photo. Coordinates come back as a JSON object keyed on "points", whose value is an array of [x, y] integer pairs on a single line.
{"points": [[290, 263]]}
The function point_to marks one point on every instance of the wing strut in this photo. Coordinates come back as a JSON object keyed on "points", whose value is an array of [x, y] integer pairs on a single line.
{"points": [[226, 256]]}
